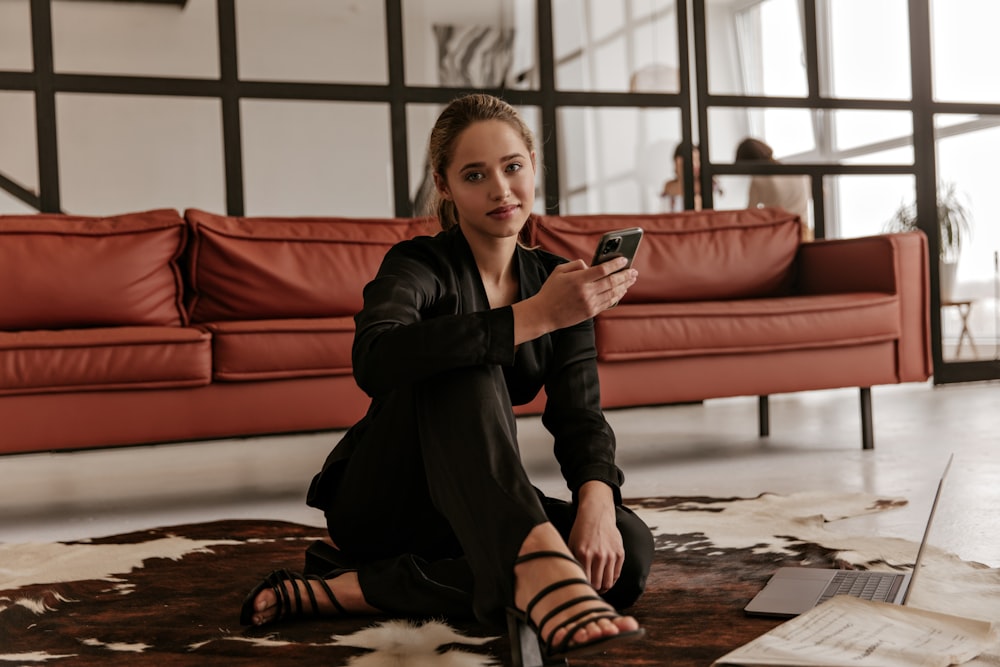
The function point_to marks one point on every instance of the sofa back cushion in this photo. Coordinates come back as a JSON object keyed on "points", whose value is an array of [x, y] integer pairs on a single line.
{"points": [[689, 256], [66, 272], [260, 268]]}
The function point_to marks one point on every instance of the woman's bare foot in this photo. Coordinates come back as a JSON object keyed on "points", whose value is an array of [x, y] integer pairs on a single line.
{"points": [[534, 575], [346, 590]]}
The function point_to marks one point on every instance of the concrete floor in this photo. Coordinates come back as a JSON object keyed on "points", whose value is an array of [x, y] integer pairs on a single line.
{"points": [[708, 449]]}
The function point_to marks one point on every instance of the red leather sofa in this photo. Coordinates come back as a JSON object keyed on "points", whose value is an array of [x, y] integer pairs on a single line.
{"points": [[157, 327]]}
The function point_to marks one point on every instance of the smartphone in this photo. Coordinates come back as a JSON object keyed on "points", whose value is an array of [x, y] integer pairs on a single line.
{"points": [[619, 243]]}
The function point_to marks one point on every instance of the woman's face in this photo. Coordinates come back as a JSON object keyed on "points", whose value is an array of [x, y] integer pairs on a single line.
{"points": [[695, 160], [491, 180]]}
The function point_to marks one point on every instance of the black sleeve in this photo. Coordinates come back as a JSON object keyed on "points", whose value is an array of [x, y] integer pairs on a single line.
{"points": [[584, 442], [412, 325]]}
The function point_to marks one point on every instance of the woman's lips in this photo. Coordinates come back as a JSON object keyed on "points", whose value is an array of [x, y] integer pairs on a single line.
{"points": [[504, 211]]}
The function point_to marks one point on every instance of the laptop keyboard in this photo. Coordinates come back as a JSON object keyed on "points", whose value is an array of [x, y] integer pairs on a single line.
{"points": [[880, 586]]}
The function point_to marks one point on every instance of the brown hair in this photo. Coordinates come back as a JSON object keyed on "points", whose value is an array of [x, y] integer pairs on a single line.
{"points": [[457, 116], [754, 149]]}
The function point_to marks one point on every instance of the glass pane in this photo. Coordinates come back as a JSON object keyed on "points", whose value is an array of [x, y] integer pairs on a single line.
{"points": [[597, 49], [420, 120], [606, 18], [338, 41], [869, 58], [470, 44], [137, 152], [966, 151], [317, 158], [136, 38], [10, 205], [851, 136], [789, 132], [867, 137], [768, 58], [19, 157], [15, 35], [964, 48], [616, 160], [864, 205]]}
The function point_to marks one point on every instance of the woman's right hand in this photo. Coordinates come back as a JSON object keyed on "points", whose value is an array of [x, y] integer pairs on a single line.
{"points": [[572, 293]]}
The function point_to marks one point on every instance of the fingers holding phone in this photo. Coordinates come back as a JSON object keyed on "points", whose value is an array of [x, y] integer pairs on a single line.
{"points": [[575, 292], [617, 284], [621, 243]]}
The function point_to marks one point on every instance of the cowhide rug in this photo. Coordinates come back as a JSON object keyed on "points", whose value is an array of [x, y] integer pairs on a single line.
{"points": [[171, 596]]}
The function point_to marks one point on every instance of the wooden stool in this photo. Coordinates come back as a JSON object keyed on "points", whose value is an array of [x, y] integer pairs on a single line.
{"points": [[964, 308]]}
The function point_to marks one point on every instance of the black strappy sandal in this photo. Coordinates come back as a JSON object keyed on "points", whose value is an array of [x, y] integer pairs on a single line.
{"points": [[529, 649], [276, 582]]}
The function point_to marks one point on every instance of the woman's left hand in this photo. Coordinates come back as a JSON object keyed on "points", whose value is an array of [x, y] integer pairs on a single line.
{"points": [[595, 539]]}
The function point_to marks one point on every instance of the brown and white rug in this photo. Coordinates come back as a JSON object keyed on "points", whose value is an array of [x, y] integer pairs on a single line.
{"points": [[171, 596]]}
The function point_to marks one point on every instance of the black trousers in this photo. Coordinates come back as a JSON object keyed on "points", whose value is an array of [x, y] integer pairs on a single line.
{"points": [[434, 504]]}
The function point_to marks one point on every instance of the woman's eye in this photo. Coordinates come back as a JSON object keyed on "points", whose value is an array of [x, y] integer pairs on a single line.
{"points": [[473, 176], [514, 166]]}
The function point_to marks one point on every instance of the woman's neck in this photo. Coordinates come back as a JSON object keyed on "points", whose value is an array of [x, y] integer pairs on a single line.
{"points": [[495, 261]]}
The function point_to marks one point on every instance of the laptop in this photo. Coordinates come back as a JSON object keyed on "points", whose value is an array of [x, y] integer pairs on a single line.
{"points": [[794, 590]]}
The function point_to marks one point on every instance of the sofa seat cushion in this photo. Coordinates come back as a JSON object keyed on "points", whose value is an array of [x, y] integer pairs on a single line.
{"points": [[103, 359], [652, 331], [64, 271], [274, 268], [279, 349], [689, 256]]}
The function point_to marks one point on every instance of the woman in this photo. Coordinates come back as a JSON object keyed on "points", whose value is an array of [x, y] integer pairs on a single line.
{"points": [[790, 192], [672, 195], [426, 499]]}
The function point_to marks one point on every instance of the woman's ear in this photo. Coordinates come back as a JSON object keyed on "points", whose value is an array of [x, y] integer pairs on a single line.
{"points": [[442, 186], [534, 166]]}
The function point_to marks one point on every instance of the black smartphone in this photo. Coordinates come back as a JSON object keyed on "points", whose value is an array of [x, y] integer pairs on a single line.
{"points": [[619, 243]]}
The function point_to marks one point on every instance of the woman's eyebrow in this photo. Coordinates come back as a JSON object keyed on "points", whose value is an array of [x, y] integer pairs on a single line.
{"points": [[480, 165]]}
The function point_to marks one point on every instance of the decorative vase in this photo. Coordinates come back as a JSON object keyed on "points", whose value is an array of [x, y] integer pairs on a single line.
{"points": [[946, 280]]}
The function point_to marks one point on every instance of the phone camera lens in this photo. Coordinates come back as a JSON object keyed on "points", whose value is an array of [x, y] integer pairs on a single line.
{"points": [[613, 244]]}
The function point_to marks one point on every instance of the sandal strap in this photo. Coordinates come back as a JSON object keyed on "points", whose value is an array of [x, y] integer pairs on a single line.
{"points": [[314, 608], [558, 609], [542, 594], [573, 623], [589, 616], [329, 592], [535, 555], [277, 580]]}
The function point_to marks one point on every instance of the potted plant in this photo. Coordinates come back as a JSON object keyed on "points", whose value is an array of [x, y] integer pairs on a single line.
{"points": [[954, 226]]}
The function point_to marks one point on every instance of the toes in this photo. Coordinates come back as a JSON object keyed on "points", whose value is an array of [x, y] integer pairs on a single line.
{"points": [[604, 627], [607, 627], [627, 623], [265, 600], [265, 606], [601, 628], [262, 617]]}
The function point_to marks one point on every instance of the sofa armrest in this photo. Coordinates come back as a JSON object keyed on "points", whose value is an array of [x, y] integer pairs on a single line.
{"points": [[893, 263], [866, 264]]}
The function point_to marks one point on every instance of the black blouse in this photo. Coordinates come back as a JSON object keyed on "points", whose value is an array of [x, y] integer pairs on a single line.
{"points": [[426, 311]]}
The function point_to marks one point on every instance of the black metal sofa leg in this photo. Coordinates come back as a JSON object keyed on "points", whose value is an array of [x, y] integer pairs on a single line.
{"points": [[763, 417], [867, 429], [867, 432]]}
